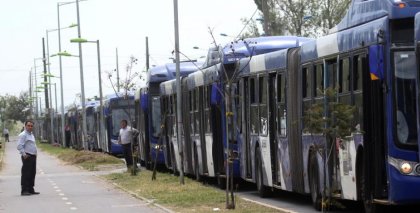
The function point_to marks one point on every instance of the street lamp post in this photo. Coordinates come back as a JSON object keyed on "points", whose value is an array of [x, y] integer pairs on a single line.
{"points": [[61, 70], [101, 114], [49, 71], [82, 84]]}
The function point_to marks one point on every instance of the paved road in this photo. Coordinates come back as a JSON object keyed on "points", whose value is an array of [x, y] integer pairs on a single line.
{"points": [[63, 188]]}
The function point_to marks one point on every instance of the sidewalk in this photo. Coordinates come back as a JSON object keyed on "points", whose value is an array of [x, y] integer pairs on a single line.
{"points": [[63, 188]]}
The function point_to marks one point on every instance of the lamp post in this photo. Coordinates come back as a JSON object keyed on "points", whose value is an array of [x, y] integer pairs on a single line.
{"points": [[61, 71], [49, 72], [82, 84], [101, 114], [178, 92]]}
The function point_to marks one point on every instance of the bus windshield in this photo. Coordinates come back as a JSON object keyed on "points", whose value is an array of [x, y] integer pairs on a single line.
{"points": [[405, 97], [119, 114]]}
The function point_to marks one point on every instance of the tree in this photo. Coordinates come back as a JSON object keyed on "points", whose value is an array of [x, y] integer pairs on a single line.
{"points": [[302, 18], [16, 108], [334, 121], [252, 28]]}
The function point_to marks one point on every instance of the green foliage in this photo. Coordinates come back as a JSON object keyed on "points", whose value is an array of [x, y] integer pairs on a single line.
{"points": [[303, 18], [335, 121], [13, 109]]}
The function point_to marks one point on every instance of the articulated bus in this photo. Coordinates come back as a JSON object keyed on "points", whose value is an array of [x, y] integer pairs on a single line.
{"points": [[152, 144], [204, 139], [117, 107], [338, 117]]}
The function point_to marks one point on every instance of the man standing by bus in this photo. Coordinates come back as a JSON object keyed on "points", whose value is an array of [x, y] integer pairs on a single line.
{"points": [[125, 139], [28, 151]]}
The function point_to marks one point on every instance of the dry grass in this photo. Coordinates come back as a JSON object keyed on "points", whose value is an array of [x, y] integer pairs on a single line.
{"points": [[86, 159], [193, 196], [166, 190]]}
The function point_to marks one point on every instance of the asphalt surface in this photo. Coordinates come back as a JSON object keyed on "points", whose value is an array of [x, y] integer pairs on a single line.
{"points": [[63, 188]]}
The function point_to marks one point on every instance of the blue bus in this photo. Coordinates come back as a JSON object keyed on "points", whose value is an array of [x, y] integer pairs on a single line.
{"points": [[117, 107], [148, 113], [337, 117], [204, 137]]}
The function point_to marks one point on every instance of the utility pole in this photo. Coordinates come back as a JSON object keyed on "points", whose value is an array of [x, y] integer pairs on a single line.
{"points": [[47, 106], [178, 92], [118, 71], [147, 53]]}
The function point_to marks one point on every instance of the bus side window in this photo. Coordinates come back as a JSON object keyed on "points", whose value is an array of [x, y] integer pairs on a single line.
{"points": [[344, 82], [263, 114], [319, 79], [281, 110], [307, 90], [254, 106], [359, 62]]}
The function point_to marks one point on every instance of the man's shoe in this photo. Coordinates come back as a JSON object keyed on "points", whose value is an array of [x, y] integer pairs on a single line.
{"points": [[34, 193], [25, 193]]}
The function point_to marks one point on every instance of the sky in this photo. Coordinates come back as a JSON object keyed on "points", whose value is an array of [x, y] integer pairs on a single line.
{"points": [[119, 25]]}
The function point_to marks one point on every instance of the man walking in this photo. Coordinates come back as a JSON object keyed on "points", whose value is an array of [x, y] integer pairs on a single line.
{"points": [[6, 135], [125, 138], [28, 151]]}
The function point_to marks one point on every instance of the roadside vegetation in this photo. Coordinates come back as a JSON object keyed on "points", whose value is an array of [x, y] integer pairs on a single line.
{"points": [[88, 160], [165, 191], [193, 196]]}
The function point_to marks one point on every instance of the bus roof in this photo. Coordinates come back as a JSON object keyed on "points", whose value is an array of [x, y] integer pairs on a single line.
{"points": [[362, 11], [167, 71], [263, 62], [234, 51], [118, 95]]}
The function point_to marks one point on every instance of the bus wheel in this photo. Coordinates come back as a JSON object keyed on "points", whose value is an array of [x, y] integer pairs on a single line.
{"points": [[259, 177], [196, 166], [314, 182]]}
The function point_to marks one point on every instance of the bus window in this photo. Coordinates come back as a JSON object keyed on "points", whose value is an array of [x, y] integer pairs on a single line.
{"points": [[254, 107], [319, 79], [331, 74], [344, 76], [343, 83], [359, 63], [156, 116], [405, 96], [281, 110], [263, 105], [307, 84]]}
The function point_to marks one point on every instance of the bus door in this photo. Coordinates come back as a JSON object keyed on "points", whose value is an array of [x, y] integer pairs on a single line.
{"points": [[279, 115], [244, 93], [374, 138], [272, 103]]}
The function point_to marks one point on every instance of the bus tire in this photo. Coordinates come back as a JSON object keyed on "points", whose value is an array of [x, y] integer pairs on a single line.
{"points": [[259, 176], [315, 189]]}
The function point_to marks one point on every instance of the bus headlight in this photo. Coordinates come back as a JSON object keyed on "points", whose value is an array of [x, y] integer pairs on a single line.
{"points": [[405, 168]]}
